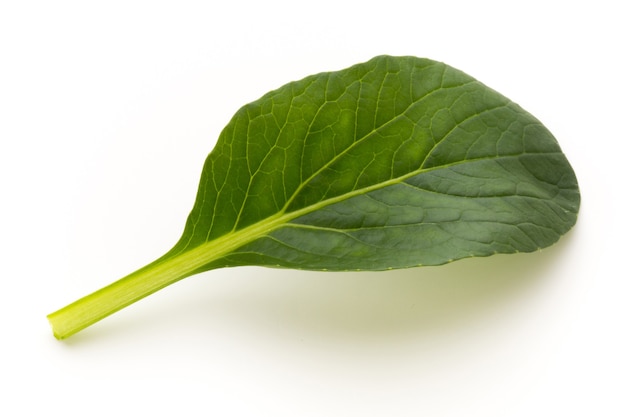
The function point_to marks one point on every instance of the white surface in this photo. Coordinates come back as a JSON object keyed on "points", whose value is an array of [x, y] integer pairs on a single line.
{"points": [[107, 112]]}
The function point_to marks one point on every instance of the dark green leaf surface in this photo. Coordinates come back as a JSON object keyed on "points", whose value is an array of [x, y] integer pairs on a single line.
{"points": [[393, 163]]}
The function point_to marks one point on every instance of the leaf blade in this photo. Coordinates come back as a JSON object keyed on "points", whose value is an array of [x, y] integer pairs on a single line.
{"points": [[379, 129]]}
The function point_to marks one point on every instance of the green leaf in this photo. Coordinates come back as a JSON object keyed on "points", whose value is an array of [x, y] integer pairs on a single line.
{"points": [[393, 163]]}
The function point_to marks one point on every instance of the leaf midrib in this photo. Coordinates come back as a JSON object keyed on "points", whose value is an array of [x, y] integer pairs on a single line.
{"points": [[221, 246]]}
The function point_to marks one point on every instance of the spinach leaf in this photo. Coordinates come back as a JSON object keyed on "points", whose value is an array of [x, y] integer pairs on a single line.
{"points": [[393, 163]]}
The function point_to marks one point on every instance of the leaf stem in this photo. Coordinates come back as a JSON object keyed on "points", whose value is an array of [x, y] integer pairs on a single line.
{"points": [[165, 271], [135, 286]]}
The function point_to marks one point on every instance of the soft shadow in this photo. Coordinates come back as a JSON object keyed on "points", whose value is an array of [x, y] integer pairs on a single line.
{"points": [[360, 305]]}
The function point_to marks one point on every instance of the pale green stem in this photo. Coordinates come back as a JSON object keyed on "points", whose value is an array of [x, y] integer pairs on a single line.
{"points": [[100, 304], [159, 274], [171, 268]]}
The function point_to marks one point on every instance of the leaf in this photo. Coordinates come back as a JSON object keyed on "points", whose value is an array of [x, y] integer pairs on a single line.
{"points": [[393, 163]]}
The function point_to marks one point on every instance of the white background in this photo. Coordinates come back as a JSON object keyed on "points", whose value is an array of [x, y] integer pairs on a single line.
{"points": [[107, 112]]}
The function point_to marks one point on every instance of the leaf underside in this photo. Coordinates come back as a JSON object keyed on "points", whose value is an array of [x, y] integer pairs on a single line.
{"points": [[392, 163]]}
